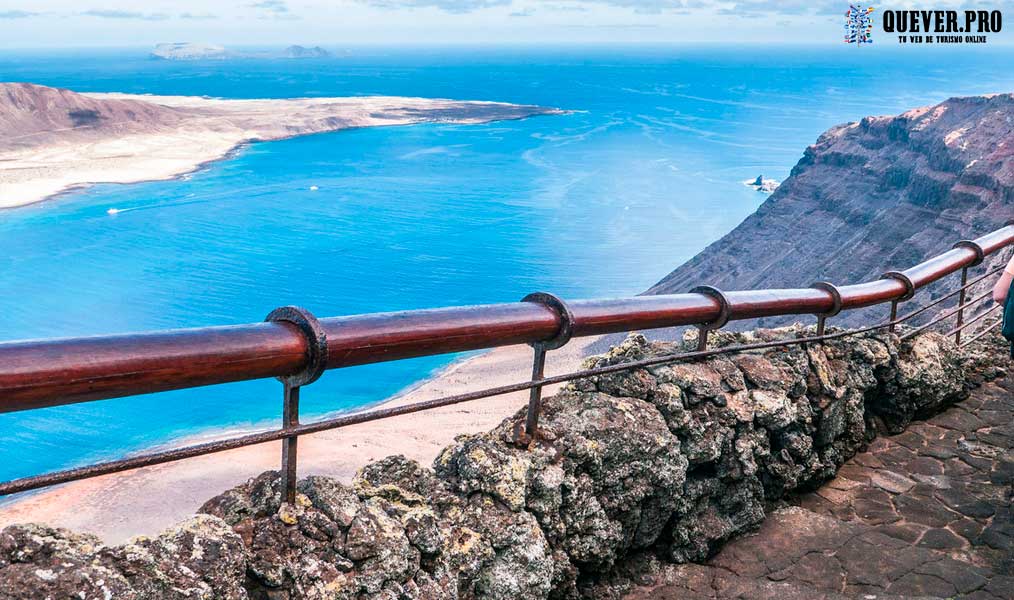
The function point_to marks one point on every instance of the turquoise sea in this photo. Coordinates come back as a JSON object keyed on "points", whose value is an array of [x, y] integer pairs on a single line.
{"points": [[645, 173]]}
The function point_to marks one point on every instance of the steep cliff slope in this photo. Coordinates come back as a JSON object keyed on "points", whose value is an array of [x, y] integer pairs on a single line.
{"points": [[871, 196]]}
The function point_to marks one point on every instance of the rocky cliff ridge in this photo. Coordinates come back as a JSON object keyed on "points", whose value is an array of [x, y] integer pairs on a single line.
{"points": [[878, 194]]}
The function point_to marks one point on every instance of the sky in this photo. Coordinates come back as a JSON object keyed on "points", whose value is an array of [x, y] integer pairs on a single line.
{"points": [[337, 23]]}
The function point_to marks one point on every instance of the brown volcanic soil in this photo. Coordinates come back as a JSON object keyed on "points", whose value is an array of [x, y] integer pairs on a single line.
{"points": [[883, 193]]}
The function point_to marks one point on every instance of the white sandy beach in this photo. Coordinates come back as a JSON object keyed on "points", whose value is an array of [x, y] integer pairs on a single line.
{"points": [[143, 502], [54, 140]]}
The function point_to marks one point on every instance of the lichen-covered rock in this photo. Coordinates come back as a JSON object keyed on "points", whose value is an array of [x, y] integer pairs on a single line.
{"points": [[200, 559], [478, 543], [757, 425], [40, 562], [604, 480], [330, 544], [665, 462], [930, 376]]}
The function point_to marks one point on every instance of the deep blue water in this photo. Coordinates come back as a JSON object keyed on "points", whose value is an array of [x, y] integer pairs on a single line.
{"points": [[601, 202]]}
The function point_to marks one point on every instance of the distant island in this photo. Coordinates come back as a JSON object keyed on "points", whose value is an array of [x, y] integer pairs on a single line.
{"points": [[52, 140], [303, 52], [187, 51]]}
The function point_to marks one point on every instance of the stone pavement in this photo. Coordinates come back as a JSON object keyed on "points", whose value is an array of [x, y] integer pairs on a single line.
{"points": [[923, 514]]}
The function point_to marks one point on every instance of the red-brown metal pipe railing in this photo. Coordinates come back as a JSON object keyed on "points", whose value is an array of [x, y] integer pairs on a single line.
{"points": [[36, 374], [296, 347]]}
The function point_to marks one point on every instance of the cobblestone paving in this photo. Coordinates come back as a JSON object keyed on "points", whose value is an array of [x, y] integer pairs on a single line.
{"points": [[923, 514]]}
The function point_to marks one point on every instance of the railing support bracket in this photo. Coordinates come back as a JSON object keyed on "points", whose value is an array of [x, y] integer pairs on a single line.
{"points": [[835, 308], [909, 292], [724, 314]]}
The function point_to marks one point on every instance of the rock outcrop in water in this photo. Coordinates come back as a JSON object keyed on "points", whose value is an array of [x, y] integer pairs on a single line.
{"points": [[879, 194], [667, 461]]}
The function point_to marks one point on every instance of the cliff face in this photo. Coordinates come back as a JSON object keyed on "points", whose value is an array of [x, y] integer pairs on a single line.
{"points": [[867, 197]]}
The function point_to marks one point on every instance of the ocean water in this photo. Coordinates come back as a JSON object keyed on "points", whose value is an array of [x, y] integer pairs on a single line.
{"points": [[603, 202]]}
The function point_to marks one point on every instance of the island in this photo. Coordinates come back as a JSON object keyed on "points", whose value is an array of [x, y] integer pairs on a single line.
{"points": [[193, 51], [53, 140], [303, 52], [190, 51]]}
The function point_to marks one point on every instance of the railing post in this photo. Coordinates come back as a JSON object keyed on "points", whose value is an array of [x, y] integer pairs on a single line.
{"points": [[563, 335], [980, 255], [535, 396], [316, 353], [961, 305], [724, 313], [909, 292], [290, 418], [702, 338]]}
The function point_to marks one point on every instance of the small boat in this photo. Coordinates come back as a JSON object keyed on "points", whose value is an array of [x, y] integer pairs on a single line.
{"points": [[314, 188], [112, 211]]}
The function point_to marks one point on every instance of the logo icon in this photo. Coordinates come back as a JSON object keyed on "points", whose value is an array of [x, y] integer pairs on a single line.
{"points": [[859, 24]]}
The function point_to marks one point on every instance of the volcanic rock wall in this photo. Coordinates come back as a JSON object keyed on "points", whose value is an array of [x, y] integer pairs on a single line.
{"points": [[870, 196], [668, 461]]}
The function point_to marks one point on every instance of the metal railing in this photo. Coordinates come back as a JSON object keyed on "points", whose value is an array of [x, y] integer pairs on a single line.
{"points": [[298, 348]]}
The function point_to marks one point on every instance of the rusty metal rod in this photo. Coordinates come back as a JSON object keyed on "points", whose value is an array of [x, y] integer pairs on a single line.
{"points": [[55, 478], [923, 308], [982, 332], [944, 315], [974, 320]]}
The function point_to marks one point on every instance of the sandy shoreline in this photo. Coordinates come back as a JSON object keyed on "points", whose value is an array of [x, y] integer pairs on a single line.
{"points": [[145, 501], [127, 138]]}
